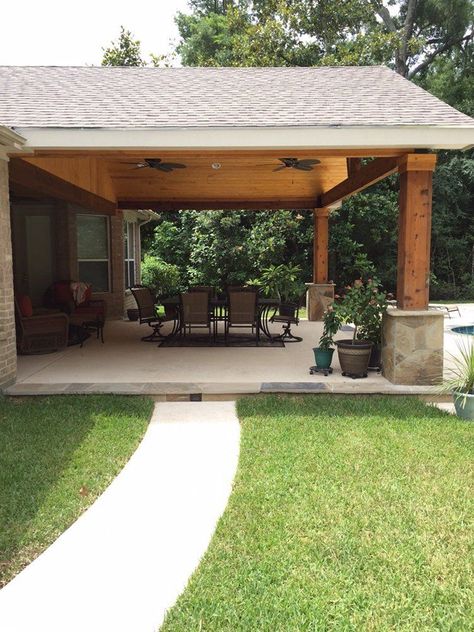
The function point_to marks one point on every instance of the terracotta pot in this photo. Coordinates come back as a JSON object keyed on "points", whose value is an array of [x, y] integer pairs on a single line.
{"points": [[354, 357]]}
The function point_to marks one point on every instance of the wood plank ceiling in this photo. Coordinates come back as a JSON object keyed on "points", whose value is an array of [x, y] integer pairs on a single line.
{"points": [[242, 179]]}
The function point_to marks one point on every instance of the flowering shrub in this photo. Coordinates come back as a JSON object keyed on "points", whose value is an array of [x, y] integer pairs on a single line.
{"points": [[363, 305]]}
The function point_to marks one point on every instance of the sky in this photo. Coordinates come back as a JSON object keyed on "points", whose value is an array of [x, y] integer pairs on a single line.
{"points": [[62, 33]]}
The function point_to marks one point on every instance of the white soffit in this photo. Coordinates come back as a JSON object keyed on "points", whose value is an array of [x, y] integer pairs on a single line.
{"points": [[431, 137]]}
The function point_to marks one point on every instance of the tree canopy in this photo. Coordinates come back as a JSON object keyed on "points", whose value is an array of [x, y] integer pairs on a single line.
{"points": [[126, 51], [427, 41], [407, 35]]}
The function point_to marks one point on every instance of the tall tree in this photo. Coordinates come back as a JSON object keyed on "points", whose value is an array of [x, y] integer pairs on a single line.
{"points": [[406, 34], [126, 51]]}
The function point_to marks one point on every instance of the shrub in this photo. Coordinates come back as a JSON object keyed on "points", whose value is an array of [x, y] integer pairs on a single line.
{"points": [[163, 278]]}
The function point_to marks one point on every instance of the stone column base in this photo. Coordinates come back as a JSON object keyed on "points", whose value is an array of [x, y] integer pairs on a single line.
{"points": [[318, 297], [412, 347]]}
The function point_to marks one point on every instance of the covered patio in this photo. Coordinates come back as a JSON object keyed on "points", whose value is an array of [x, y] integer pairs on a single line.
{"points": [[123, 365], [82, 146]]}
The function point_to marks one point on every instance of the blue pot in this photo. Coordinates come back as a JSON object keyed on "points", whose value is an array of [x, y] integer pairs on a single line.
{"points": [[464, 405], [323, 357]]}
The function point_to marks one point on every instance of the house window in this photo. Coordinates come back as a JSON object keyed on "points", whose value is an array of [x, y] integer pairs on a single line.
{"points": [[93, 251], [130, 254]]}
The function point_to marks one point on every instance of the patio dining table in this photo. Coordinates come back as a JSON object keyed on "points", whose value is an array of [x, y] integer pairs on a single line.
{"points": [[219, 304]]}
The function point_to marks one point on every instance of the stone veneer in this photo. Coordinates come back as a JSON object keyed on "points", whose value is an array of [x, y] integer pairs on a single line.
{"points": [[7, 313], [412, 347], [319, 296]]}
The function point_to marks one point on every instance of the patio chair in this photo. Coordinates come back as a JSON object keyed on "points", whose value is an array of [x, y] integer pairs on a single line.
{"points": [[287, 315], [42, 332], [203, 288], [242, 311], [196, 311], [147, 306]]}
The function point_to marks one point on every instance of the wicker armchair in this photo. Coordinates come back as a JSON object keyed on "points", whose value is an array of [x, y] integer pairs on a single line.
{"points": [[147, 314], [41, 333], [243, 311]]}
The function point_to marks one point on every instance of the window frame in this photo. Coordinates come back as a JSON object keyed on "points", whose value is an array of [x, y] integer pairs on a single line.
{"points": [[81, 260], [130, 254]]}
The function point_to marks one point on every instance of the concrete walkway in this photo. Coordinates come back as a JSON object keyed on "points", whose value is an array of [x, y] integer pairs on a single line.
{"points": [[125, 561]]}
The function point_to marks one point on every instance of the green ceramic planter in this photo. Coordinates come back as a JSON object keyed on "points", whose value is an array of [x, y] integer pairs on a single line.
{"points": [[323, 357], [464, 405]]}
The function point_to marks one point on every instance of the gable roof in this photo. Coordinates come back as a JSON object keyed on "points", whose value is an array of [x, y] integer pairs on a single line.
{"points": [[142, 98]]}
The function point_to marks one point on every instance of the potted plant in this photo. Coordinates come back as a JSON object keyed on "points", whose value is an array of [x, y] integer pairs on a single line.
{"points": [[371, 327], [324, 352], [461, 381], [362, 305]]}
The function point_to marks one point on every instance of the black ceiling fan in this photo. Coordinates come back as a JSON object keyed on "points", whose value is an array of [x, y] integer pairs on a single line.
{"points": [[157, 163], [306, 164]]}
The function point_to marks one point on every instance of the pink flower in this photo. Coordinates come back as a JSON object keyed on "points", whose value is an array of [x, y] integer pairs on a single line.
{"points": [[358, 283]]}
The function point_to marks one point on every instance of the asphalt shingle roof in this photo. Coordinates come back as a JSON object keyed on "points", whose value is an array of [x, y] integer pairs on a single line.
{"points": [[97, 97]]}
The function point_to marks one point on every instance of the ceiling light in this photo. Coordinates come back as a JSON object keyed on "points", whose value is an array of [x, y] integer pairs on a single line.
{"points": [[216, 165]]}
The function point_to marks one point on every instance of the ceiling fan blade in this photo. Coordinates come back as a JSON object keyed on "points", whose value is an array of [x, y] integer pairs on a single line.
{"points": [[153, 162], [309, 161], [281, 167], [174, 165], [304, 167], [164, 167], [139, 166]]}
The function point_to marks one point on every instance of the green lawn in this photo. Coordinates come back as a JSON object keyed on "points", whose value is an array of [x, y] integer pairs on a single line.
{"points": [[57, 454], [347, 514]]}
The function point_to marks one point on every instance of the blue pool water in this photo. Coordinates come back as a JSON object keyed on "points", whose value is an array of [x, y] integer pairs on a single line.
{"points": [[466, 329]]}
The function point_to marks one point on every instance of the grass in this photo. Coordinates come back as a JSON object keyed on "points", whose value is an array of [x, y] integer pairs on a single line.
{"points": [[57, 454], [347, 514]]}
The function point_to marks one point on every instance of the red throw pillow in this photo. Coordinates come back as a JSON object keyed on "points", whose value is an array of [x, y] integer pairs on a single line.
{"points": [[62, 292], [25, 306], [88, 294]]}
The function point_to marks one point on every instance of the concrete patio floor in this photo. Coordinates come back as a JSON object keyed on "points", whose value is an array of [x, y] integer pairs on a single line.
{"points": [[124, 364]]}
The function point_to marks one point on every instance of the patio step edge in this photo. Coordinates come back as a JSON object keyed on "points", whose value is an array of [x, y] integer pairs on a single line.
{"points": [[187, 391]]}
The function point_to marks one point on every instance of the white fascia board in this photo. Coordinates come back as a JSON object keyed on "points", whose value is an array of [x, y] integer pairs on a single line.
{"points": [[431, 137], [10, 141]]}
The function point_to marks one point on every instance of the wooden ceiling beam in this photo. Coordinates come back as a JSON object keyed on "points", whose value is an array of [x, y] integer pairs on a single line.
{"points": [[42, 183], [209, 205], [360, 179]]}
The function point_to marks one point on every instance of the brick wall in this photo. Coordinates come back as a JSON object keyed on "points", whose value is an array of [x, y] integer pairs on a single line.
{"points": [[7, 315]]}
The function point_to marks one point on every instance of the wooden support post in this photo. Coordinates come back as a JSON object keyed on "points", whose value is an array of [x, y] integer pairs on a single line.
{"points": [[320, 245], [414, 231]]}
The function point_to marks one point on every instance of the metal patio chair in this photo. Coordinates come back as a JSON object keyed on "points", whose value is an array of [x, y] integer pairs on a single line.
{"points": [[287, 314], [195, 311], [147, 312], [242, 312]]}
